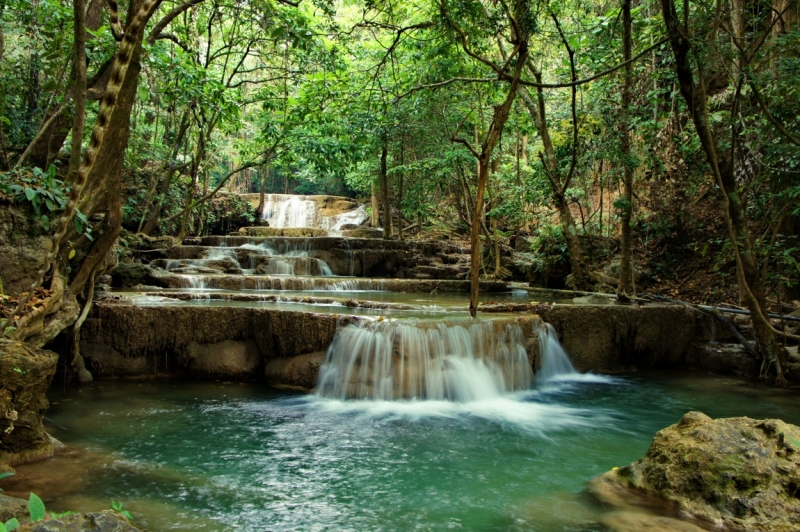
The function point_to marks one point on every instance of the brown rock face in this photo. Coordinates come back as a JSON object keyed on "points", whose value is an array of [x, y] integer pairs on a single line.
{"points": [[615, 338], [739, 473], [226, 360], [25, 375], [295, 373]]}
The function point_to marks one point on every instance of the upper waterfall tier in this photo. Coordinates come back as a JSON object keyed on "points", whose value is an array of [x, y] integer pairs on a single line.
{"points": [[323, 212]]}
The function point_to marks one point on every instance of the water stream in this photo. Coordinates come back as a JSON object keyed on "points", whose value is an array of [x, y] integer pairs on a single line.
{"points": [[209, 456]]}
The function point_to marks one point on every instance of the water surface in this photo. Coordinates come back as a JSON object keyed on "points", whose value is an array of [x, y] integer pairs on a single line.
{"points": [[207, 456]]}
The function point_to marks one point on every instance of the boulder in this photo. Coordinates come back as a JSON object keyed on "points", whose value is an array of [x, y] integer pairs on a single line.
{"points": [[106, 521], [131, 273], [295, 373], [25, 374], [11, 507], [737, 473]]}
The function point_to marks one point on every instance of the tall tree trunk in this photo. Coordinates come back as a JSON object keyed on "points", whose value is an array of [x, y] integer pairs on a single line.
{"points": [[262, 198], [387, 203], [400, 191], [626, 286], [374, 216], [752, 283], [499, 119]]}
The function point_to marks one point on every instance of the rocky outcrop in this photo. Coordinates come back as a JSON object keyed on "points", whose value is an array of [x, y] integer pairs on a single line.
{"points": [[294, 373], [106, 521], [206, 342], [132, 274], [735, 473], [723, 359], [226, 360], [618, 338], [12, 508], [25, 374]]}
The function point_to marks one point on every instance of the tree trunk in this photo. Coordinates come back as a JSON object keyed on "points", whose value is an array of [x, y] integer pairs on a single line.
{"points": [[626, 287], [499, 119], [262, 199], [400, 192], [752, 282], [375, 214], [387, 204]]}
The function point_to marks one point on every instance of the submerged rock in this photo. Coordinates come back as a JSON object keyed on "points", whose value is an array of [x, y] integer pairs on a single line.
{"points": [[738, 473]]}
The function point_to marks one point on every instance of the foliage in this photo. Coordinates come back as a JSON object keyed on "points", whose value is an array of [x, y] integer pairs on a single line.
{"points": [[43, 192], [117, 507]]}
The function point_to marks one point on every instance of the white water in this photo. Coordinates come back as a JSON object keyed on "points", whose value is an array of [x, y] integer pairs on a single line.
{"points": [[289, 257], [387, 360], [555, 361], [287, 211]]}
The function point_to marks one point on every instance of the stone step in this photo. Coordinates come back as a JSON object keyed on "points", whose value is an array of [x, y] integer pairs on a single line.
{"points": [[267, 282], [346, 257]]}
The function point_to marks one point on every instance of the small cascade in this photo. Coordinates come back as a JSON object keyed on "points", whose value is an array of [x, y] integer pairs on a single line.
{"points": [[388, 360], [555, 361], [336, 223], [196, 283], [286, 257]]}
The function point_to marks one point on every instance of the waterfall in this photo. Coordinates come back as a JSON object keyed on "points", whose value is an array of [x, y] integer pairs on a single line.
{"points": [[287, 211], [555, 361], [290, 257], [387, 360], [354, 217]]}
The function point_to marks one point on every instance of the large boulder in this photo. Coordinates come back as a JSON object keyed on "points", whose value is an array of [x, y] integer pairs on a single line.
{"points": [[736, 473], [129, 274], [25, 376]]}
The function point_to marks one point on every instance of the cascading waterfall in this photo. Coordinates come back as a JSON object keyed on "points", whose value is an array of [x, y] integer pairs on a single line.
{"points": [[288, 257], [555, 361], [387, 360], [290, 211]]}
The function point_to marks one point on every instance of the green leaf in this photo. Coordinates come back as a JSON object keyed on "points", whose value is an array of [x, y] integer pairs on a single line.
{"points": [[45, 222], [6, 475], [30, 193], [3, 528], [11, 524], [36, 507]]}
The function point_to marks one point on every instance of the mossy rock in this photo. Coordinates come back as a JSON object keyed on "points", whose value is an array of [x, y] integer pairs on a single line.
{"points": [[738, 473]]}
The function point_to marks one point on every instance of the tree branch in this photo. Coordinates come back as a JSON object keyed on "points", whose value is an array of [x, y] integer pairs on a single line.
{"points": [[166, 19]]}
